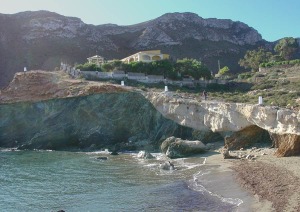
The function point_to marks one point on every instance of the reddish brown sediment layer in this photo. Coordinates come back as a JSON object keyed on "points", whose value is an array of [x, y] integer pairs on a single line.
{"points": [[43, 85]]}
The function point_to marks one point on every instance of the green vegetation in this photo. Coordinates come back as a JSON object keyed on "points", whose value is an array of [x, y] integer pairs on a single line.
{"points": [[278, 84], [286, 47], [254, 58], [88, 67], [224, 71], [277, 87], [171, 70], [285, 62], [193, 68]]}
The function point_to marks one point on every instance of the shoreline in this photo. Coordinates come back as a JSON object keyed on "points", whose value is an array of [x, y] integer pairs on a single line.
{"points": [[266, 183], [223, 182], [272, 183]]}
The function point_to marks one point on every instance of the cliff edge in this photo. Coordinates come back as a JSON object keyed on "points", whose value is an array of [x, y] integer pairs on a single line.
{"points": [[240, 124]]}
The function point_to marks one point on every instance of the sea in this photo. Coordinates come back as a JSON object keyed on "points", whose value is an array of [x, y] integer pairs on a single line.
{"points": [[96, 181]]}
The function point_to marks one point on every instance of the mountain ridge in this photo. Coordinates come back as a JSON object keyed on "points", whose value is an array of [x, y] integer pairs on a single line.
{"points": [[42, 39]]}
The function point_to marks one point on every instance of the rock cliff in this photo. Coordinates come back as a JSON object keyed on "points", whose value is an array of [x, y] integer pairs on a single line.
{"points": [[230, 119], [105, 120], [50, 110], [66, 113]]}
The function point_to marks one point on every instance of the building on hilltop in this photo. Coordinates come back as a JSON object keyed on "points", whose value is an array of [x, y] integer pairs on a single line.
{"points": [[98, 60], [146, 56]]}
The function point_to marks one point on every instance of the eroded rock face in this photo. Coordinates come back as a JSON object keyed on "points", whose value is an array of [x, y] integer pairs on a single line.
{"points": [[207, 136], [233, 119], [225, 117], [247, 138], [288, 145], [104, 120], [177, 148]]}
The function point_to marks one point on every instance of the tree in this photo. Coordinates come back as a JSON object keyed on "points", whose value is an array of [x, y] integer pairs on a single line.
{"points": [[193, 68], [286, 47], [161, 67], [253, 58], [224, 71], [107, 67], [88, 67]]}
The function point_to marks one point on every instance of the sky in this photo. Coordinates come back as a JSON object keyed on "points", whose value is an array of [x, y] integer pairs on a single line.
{"points": [[273, 19]]}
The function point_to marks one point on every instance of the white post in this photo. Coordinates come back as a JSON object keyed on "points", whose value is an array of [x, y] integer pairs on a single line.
{"points": [[260, 100], [122, 83], [166, 88], [25, 69]]}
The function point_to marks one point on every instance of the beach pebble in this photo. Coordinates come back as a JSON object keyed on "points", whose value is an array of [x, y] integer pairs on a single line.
{"points": [[263, 153], [249, 157]]}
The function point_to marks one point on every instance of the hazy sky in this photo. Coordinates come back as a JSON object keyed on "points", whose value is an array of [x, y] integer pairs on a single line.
{"points": [[274, 19]]}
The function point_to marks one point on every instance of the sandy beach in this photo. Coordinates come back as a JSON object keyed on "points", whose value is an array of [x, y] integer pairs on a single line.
{"points": [[269, 183]]}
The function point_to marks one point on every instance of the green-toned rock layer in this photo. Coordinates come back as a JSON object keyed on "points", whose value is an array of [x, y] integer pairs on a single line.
{"points": [[99, 121]]}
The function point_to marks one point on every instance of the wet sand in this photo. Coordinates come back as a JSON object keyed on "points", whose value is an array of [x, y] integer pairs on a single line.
{"points": [[268, 183], [223, 182]]}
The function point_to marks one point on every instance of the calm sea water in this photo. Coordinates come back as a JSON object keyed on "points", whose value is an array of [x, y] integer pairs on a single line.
{"points": [[55, 180]]}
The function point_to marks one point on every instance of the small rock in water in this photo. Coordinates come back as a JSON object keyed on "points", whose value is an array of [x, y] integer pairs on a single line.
{"points": [[114, 153], [167, 166], [101, 158], [145, 155]]}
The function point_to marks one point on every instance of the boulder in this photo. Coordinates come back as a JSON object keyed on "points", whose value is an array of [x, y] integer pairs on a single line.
{"points": [[177, 148], [226, 154], [166, 143], [145, 155], [167, 166]]}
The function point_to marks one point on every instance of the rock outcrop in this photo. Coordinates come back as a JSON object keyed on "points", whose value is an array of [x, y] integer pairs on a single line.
{"points": [[100, 120], [235, 120], [288, 144], [247, 137]]}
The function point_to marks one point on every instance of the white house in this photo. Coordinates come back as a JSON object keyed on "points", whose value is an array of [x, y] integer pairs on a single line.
{"points": [[146, 56], [96, 60]]}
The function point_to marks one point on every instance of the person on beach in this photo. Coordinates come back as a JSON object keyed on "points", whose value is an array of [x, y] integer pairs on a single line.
{"points": [[204, 94]]}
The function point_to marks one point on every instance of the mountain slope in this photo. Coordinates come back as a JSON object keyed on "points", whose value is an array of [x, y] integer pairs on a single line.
{"points": [[43, 39]]}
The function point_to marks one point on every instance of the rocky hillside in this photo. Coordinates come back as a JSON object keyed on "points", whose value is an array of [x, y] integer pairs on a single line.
{"points": [[42, 39]]}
